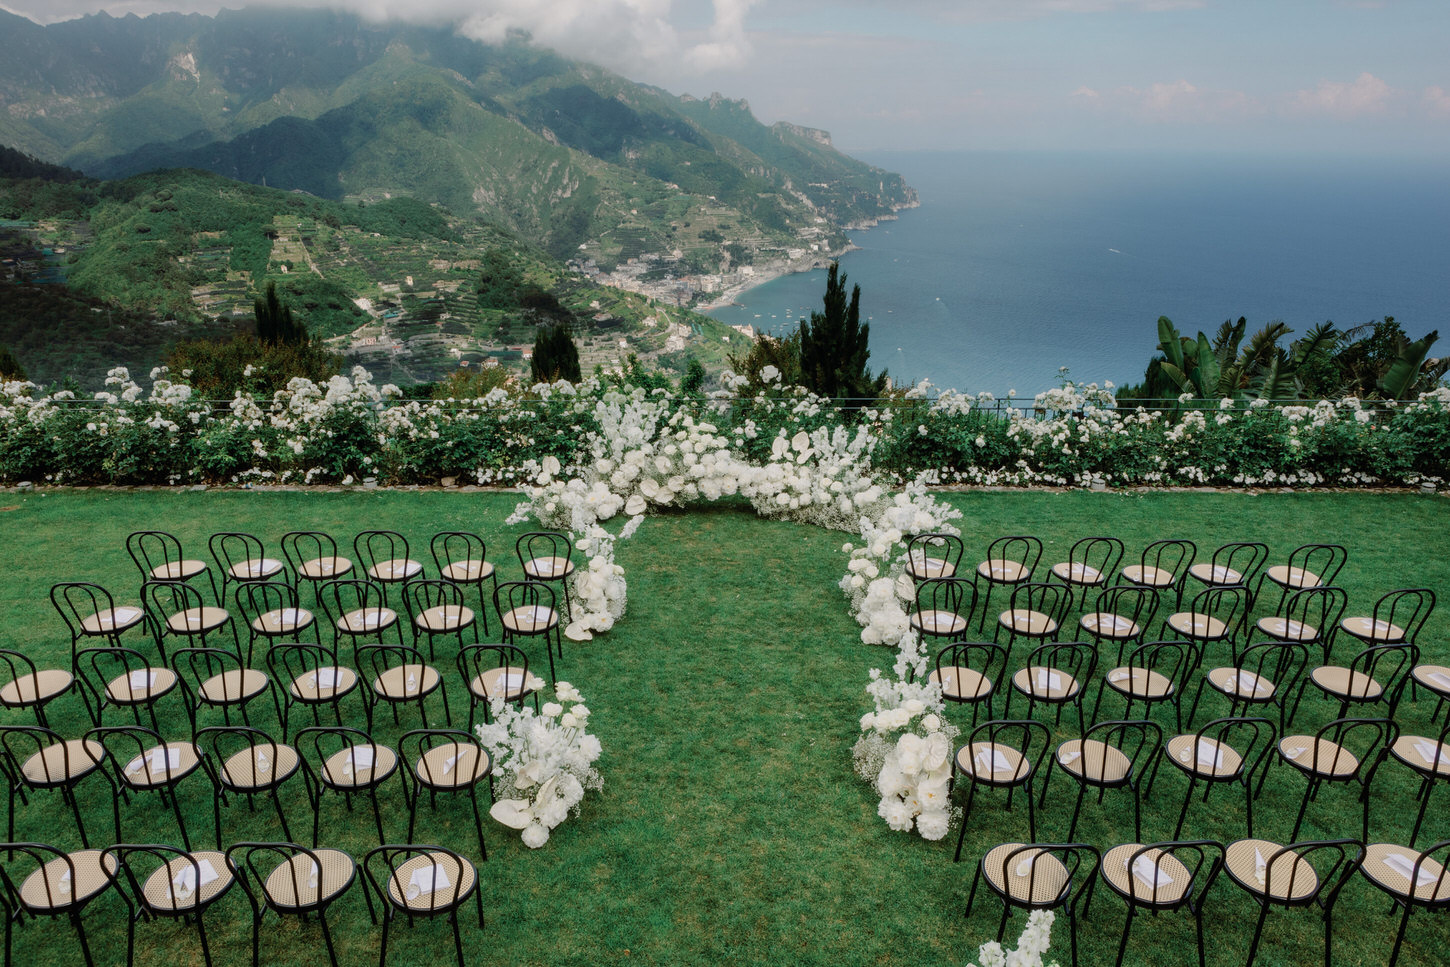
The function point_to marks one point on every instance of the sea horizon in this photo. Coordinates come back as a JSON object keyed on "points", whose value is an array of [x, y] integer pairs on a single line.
{"points": [[1017, 263]]}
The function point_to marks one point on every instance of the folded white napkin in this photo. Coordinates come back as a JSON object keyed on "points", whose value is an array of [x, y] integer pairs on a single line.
{"points": [[186, 878], [62, 886], [1048, 680], [371, 619], [1123, 674], [1404, 866], [513, 680], [428, 879], [1209, 754], [412, 683], [1440, 678], [361, 757], [450, 762], [143, 678], [1261, 867], [1150, 874], [1429, 751], [1024, 866], [1295, 752], [992, 761], [1247, 681], [325, 678], [264, 765], [290, 616], [125, 614], [545, 566], [1121, 624], [1294, 627], [1068, 755], [161, 760]]}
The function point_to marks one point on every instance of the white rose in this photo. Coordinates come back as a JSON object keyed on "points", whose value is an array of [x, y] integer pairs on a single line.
{"points": [[931, 723], [535, 835], [913, 706], [552, 709]]}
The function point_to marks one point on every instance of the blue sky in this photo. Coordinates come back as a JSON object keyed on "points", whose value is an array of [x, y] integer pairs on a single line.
{"points": [[1320, 77]]}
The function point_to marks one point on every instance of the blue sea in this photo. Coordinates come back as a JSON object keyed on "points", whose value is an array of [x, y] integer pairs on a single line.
{"points": [[1017, 264]]}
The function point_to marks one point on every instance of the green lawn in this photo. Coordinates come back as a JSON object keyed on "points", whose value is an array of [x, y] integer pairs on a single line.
{"points": [[731, 826]]}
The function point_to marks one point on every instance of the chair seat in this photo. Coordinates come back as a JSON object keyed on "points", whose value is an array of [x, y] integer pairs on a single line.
{"points": [[161, 765], [405, 682], [1149, 576], [359, 766], [324, 684], [1292, 577], [51, 886], [1045, 684], [445, 617], [920, 568], [529, 620], [1247, 861], [1101, 624], [1033, 624], [1210, 573], [1283, 629], [993, 763], [1390, 865], [197, 620], [283, 621], [325, 568], [112, 621], [62, 762], [141, 685], [548, 568], [448, 889], [1140, 682], [1199, 627], [236, 685], [397, 569], [255, 569], [1425, 755], [178, 570], [1093, 760], [1038, 878], [35, 689], [467, 572], [1368, 629], [1434, 677], [507, 683], [453, 765], [939, 623], [1076, 572], [961, 684], [1158, 879], [1238, 683], [179, 886], [295, 884], [1205, 757], [259, 767], [1346, 683], [1004, 572], [363, 620], [1333, 760]]}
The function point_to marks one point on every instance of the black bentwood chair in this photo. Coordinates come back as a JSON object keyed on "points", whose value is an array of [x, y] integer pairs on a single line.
{"points": [[421, 881], [1411, 878], [1160, 877], [1038, 876], [292, 880], [43, 881], [163, 881], [1297, 875]]}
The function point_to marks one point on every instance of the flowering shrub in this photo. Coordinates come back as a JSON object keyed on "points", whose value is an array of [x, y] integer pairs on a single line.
{"points": [[543, 764], [1031, 946], [905, 751]]}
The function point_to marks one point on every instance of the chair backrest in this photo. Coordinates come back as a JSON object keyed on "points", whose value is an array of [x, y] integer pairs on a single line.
{"points": [[1175, 660], [164, 599], [256, 598], [16, 666], [59, 891], [303, 547], [1388, 665], [1244, 558], [391, 868], [380, 546], [1022, 549], [18, 743], [132, 753], [986, 658], [1093, 560], [99, 667], [1051, 600], [289, 660], [543, 545], [1362, 738], [376, 659], [512, 595], [255, 862], [949, 595], [1407, 609], [1131, 602], [415, 745], [318, 743], [1251, 737], [157, 554], [137, 862], [241, 557], [1431, 892], [1282, 877], [1320, 608], [419, 596], [1075, 857], [194, 666], [474, 660], [456, 547], [347, 595], [1135, 738], [934, 556], [1171, 556], [1076, 658], [1148, 888], [1324, 561], [1281, 662], [1029, 737], [75, 601], [1228, 603], [219, 743]]}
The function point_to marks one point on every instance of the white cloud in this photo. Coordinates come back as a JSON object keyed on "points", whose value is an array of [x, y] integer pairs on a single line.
{"points": [[1436, 101], [1365, 95], [1177, 101]]}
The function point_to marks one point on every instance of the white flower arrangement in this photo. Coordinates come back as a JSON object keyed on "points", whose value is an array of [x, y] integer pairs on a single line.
{"points": [[905, 751], [1031, 946], [543, 764]]}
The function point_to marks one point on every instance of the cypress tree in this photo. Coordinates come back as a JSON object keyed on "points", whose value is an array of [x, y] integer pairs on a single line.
{"points": [[834, 346], [555, 355]]}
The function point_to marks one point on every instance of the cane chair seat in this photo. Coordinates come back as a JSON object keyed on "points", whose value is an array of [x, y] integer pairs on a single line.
{"points": [[299, 883], [1100, 624], [1076, 572], [235, 685], [407, 681], [1140, 682], [1286, 629], [1210, 573], [195, 620], [1022, 621], [63, 762], [939, 623], [1158, 878], [254, 768], [530, 620], [1241, 684], [1332, 759], [961, 684], [1346, 683], [181, 885], [1045, 684], [1248, 861], [359, 766], [450, 880], [255, 569], [548, 568], [395, 569], [1390, 865], [507, 683], [112, 621], [1425, 755], [445, 617], [1149, 576], [993, 763], [161, 765], [35, 688], [1038, 877], [1294, 578], [1199, 627], [283, 621], [1003, 571], [176, 570], [51, 888], [325, 568], [363, 620], [1205, 757], [924, 568], [323, 684], [468, 572], [1094, 760], [1434, 677], [1371, 629], [453, 766]]}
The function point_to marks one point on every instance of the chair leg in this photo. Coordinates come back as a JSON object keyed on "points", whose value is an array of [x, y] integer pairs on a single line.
{"points": [[201, 932], [1183, 813], [383, 953], [1400, 935], [75, 919], [332, 954], [1258, 932]]}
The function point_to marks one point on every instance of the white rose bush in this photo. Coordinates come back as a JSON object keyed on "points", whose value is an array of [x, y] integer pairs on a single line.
{"points": [[1031, 946]]}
